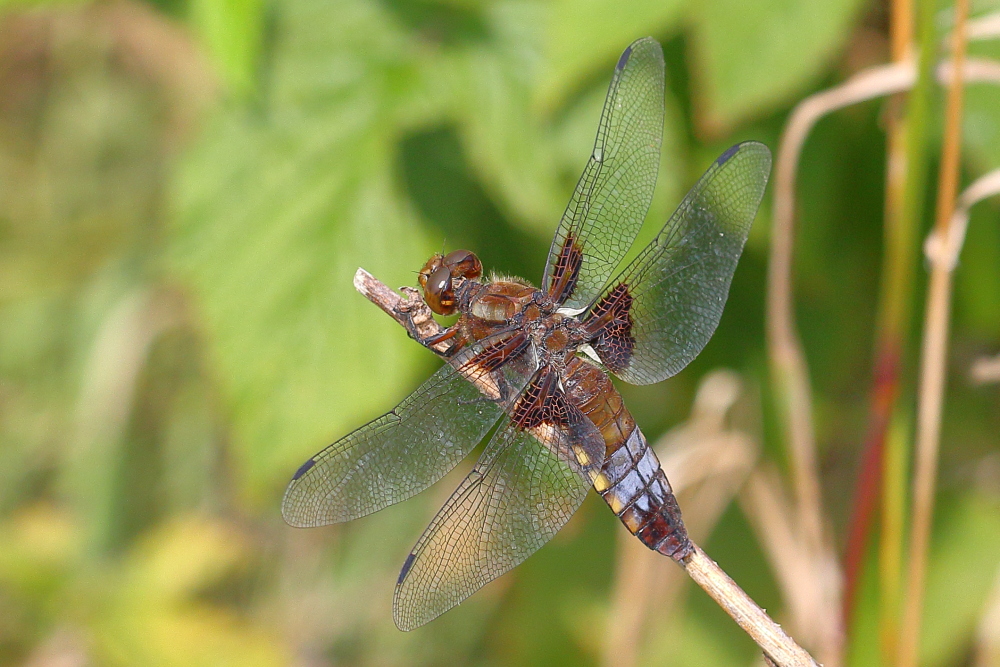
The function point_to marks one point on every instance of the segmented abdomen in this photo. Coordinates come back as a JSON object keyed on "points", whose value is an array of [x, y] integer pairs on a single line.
{"points": [[631, 480], [637, 491]]}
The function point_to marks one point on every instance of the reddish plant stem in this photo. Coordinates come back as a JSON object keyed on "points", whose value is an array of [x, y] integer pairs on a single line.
{"points": [[903, 166], [867, 493]]}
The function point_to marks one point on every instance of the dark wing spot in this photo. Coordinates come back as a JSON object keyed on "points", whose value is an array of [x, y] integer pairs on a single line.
{"points": [[610, 327], [731, 151], [624, 58], [567, 270], [407, 564], [495, 356], [541, 403], [303, 469]]}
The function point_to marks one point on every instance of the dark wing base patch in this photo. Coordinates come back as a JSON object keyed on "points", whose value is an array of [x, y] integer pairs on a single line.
{"points": [[566, 271], [610, 324], [542, 403]]}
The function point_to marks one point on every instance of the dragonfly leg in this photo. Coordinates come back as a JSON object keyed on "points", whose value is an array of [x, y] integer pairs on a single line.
{"points": [[434, 341]]}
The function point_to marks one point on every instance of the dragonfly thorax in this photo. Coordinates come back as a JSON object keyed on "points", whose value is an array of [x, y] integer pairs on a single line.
{"points": [[511, 305]]}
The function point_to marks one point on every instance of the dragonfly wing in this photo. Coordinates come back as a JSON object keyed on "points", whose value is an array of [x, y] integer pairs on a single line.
{"points": [[409, 448], [616, 188], [531, 478], [659, 313]]}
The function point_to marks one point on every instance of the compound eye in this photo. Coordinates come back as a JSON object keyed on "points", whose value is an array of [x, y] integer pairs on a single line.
{"points": [[464, 264], [438, 292], [432, 265]]}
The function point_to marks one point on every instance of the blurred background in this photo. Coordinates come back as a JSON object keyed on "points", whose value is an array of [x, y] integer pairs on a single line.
{"points": [[186, 190]]}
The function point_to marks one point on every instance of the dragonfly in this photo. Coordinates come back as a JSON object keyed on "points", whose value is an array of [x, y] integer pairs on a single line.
{"points": [[528, 369]]}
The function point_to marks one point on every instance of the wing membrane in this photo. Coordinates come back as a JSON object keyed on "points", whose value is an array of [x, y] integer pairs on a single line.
{"points": [[615, 190], [659, 313], [409, 448], [523, 489]]}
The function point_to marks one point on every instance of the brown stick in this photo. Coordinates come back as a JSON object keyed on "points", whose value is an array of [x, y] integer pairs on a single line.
{"points": [[789, 370], [399, 308], [768, 635], [785, 349]]}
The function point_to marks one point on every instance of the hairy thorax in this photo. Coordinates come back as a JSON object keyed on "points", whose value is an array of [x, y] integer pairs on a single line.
{"points": [[505, 305]]}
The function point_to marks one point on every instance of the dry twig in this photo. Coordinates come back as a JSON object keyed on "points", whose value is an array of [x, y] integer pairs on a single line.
{"points": [[789, 367], [767, 634], [983, 27], [948, 247], [986, 370], [772, 514], [786, 350], [987, 651]]}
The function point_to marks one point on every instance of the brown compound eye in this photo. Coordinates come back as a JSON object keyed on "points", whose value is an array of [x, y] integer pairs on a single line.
{"points": [[430, 267], [438, 292], [463, 264]]}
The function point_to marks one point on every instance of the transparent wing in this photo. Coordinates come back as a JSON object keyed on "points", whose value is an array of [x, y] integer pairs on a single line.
{"points": [[523, 489], [615, 190], [406, 450], [659, 313]]}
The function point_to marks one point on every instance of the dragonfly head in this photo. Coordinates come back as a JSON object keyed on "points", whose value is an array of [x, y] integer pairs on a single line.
{"points": [[442, 274]]}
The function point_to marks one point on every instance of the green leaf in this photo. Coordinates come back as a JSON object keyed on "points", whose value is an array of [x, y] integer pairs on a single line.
{"points": [[232, 32], [981, 122], [749, 57], [510, 147], [528, 156], [961, 569], [508, 144], [586, 34], [276, 211]]}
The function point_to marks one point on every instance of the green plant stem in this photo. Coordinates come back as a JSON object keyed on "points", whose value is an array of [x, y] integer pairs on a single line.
{"points": [[906, 174], [890, 557], [933, 355]]}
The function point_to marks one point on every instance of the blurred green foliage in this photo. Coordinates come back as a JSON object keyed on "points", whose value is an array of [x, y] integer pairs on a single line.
{"points": [[186, 189]]}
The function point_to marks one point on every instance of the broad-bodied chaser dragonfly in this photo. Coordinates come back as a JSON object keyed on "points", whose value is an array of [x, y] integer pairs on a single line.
{"points": [[531, 365]]}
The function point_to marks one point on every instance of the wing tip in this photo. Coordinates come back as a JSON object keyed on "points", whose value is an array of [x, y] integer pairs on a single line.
{"points": [[291, 517], [745, 146], [403, 620], [730, 152], [291, 513], [624, 57], [403, 614], [304, 468], [407, 564], [643, 43]]}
